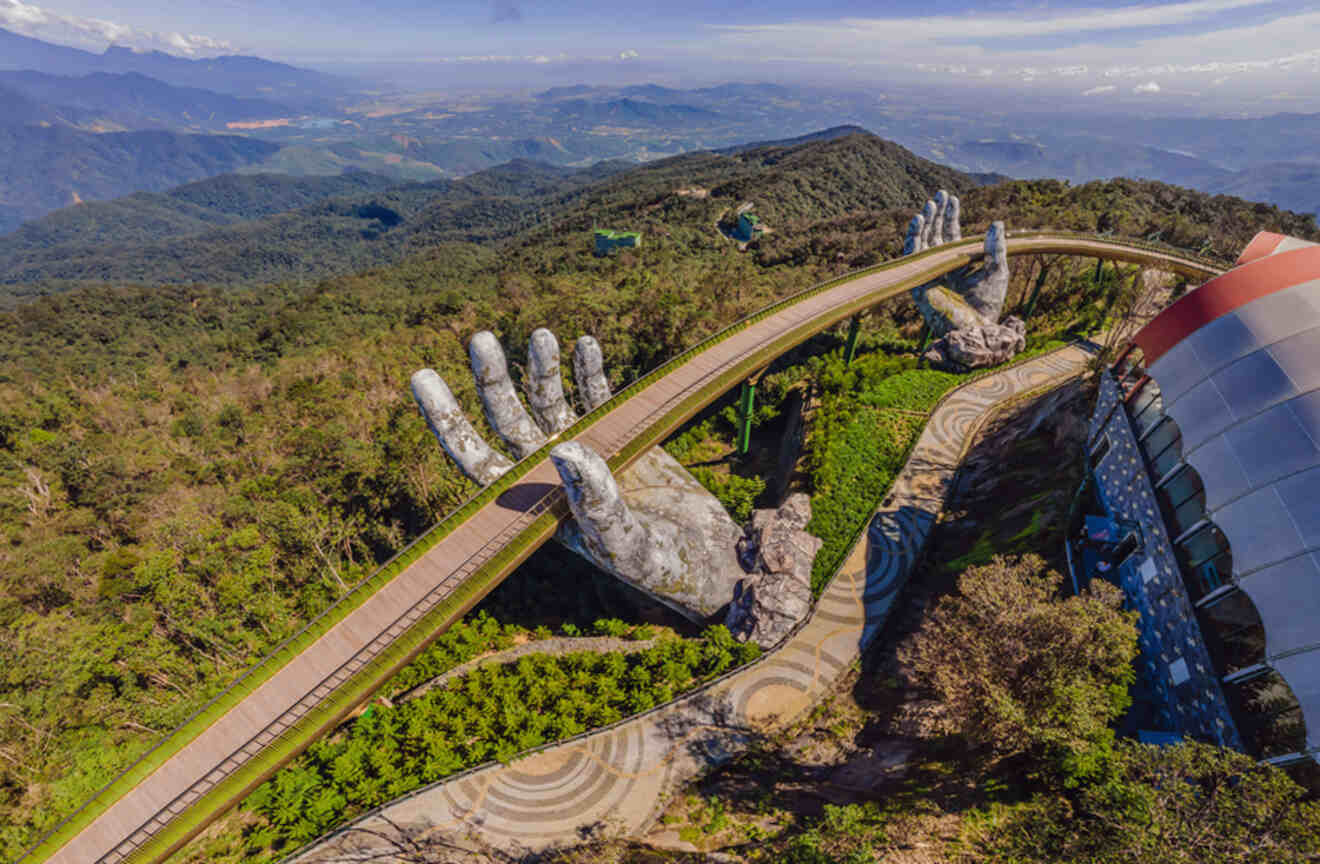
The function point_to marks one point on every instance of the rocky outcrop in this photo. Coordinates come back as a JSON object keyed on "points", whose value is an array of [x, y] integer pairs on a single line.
{"points": [[666, 535], [983, 345], [776, 594]]}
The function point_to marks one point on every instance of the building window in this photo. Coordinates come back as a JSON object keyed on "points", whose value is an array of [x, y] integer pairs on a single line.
{"points": [[1233, 632], [1182, 500], [1146, 408], [1100, 452], [1267, 715], [1130, 369], [1162, 448], [1207, 561]]}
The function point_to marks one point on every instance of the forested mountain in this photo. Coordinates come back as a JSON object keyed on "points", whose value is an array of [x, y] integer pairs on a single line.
{"points": [[134, 101], [810, 181], [47, 167], [196, 207], [190, 472], [238, 75]]}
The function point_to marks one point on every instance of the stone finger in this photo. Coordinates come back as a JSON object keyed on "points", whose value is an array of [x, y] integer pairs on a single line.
{"points": [[610, 530], [928, 225], [953, 220], [941, 207], [440, 409], [589, 373], [505, 412], [913, 243], [545, 390]]}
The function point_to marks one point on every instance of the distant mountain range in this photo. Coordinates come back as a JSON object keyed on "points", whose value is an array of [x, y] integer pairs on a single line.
{"points": [[236, 75], [130, 100]]}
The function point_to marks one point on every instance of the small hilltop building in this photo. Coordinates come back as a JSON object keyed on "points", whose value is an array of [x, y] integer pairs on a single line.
{"points": [[749, 225], [607, 241]]}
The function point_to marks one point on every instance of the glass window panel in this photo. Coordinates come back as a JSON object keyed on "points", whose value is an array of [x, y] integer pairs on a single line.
{"points": [[1177, 370], [1150, 414], [1202, 546], [1261, 530], [1167, 459], [1201, 414], [1287, 596], [1209, 575], [1181, 486], [1281, 314], [1222, 341], [1161, 436], [1187, 514], [1267, 715], [1219, 470], [1299, 358], [1301, 495], [1252, 383], [1272, 445], [1233, 632]]}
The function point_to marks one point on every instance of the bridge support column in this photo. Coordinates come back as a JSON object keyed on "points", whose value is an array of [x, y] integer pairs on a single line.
{"points": [[1035, 291], [850, 347], [745, 404]]}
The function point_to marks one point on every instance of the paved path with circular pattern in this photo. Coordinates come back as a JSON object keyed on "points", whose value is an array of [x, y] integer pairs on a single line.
{"points": [[613, 781]]}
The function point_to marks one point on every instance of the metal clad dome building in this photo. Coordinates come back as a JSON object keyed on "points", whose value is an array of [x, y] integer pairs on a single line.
{"points": [[1221, 398]]}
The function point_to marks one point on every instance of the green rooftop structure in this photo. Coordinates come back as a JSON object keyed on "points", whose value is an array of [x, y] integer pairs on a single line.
{"points": [[749, 225], [607, 241]]}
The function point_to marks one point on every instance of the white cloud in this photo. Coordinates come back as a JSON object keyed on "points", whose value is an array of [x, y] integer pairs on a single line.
{"points": [[1096, 91], [1080, 42], [35, 21], [628, 55], [1148, 87]]}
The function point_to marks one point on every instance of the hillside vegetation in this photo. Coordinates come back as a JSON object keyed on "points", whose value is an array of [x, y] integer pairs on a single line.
{"points": [[189, 472]]}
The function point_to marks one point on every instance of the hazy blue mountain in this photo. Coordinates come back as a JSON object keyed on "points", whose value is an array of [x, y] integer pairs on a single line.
{"points": [[1291, 185], [134, 101], [237, 75], [1081, 158]]}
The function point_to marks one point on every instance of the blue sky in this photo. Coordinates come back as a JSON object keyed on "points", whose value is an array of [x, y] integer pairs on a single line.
{"points": [[1264, 48]]}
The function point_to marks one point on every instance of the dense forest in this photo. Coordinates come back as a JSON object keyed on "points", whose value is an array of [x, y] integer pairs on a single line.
{"points": [[191, 471]]}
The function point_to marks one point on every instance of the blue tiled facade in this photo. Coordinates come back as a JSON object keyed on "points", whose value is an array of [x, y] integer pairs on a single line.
{"points": [[1176, 664]]}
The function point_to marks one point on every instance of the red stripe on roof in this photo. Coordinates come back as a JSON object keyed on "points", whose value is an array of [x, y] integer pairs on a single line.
{"points": [[1225, 293], [1263, 244]]}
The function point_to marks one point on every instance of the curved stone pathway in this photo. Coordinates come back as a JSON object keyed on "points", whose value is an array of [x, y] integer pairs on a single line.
{"points": [[612, 782]]}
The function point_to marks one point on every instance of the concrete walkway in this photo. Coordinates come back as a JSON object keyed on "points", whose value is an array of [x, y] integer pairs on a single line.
{"points": [[612, 782]]}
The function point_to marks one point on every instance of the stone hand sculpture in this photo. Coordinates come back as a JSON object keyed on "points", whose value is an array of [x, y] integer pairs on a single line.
{"points": [[962, 309], [937, 223], [659, 529]]}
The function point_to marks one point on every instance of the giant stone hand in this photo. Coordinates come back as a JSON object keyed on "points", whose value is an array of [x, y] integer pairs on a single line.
{"points": [[963, 308], [658, 529]]}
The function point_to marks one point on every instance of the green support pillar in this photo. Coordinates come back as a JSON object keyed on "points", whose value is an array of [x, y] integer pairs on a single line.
{"points": [[1099, 265], [1035, 293], [925, 340], [745, 416], [850, 347]]}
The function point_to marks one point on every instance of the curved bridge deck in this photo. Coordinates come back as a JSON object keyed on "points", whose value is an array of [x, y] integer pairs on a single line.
{"points": [[217, 767]]}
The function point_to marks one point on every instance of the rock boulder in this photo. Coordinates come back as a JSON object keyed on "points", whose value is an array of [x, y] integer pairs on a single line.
{"points": [[776, 594], [981, 345]]}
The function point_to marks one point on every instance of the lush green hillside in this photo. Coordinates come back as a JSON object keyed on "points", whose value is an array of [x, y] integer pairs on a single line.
{"points": [[48, 167], [191, 209], [802, 182], [189, 472]]}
